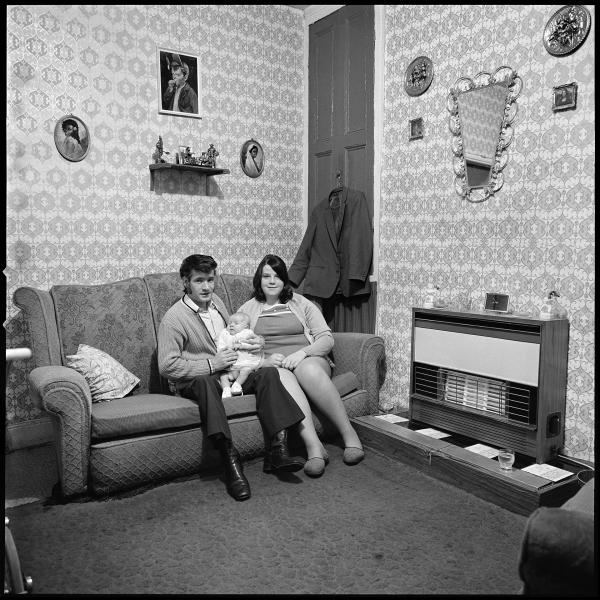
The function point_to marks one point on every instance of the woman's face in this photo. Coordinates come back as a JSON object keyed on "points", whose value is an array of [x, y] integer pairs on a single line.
{"points": [[69, 129], [271, 285]]}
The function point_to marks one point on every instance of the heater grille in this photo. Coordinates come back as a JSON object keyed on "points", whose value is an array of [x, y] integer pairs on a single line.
{"points": [[511, 401]]}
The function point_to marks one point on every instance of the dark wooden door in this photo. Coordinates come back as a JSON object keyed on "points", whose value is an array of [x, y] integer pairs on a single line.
{"points": [[340, 140], [340, 71]]}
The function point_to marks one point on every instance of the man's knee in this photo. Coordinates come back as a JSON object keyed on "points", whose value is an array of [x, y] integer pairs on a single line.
{"points": [[267, 373]]}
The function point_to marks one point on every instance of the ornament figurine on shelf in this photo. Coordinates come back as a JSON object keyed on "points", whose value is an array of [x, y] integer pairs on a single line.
{"points": [[211, 155], [551, 309], [157, 154]]}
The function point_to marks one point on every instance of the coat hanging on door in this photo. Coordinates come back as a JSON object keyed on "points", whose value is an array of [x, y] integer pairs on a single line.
{"points": [[337, 249]]}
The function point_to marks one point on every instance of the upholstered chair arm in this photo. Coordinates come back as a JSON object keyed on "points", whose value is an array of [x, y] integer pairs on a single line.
{"points": [[363, 354], [66, 395]]}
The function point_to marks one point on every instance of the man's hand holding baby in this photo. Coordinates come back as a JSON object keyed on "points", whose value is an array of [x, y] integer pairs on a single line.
{"points": [[253, 343]]}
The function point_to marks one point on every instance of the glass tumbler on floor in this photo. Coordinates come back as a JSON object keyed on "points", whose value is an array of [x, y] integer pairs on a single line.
{"points": [[506, 458]]}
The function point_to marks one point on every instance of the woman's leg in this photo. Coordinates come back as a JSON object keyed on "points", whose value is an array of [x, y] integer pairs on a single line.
{"points": [[314, 376], [306, 428]]}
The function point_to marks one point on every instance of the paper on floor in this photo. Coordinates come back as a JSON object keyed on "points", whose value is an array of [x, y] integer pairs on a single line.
{"points": [[392, 418], [547, 471], [434, 433], [484, 450]]}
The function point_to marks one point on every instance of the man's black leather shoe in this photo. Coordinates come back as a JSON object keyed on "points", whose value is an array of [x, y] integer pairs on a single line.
{"points": [[278, 457], [235, 480]]}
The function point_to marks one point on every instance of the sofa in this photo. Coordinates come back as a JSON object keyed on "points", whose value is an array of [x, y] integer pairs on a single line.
{"points": [[150, 434], [557, 556]]}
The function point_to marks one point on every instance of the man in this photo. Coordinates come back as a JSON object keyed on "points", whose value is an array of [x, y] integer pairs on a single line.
{"points": [[188, 358], [179, 95]]}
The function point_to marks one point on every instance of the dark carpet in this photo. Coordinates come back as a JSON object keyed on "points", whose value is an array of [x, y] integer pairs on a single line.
{"points": [[380, 527]]}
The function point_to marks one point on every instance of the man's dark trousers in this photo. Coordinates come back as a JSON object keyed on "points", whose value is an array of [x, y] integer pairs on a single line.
{"points": [[276, 409]]}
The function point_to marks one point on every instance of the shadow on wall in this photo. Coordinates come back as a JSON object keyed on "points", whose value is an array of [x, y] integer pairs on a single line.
{"points": [[185, 183]]}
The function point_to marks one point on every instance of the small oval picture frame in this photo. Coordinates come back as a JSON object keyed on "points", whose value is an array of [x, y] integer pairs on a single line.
{"points": [[72, 138], [252, 158]]}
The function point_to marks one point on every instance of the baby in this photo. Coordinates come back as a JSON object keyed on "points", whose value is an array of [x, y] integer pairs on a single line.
{"points": [[237, 330]]}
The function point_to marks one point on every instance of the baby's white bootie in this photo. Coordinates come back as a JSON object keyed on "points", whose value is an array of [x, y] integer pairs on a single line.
{"points": [[236, 389]]}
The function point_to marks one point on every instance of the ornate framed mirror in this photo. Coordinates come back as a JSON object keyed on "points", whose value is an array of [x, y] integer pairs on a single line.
{"points": [[482, 110]]}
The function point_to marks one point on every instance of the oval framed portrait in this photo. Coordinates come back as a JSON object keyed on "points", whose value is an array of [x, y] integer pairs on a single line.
{"points": [[252, 158], [72, 138]]}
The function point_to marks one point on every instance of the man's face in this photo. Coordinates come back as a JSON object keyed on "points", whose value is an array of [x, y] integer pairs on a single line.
{"points": [[200, 286], [178, 77]]}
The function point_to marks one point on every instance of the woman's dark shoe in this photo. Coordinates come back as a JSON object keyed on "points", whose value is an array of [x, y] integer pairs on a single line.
{"points": [[278, 457], [235, 480]]}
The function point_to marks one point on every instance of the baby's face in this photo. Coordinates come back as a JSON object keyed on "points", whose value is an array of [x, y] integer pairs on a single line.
{"points": [[236, 324]]}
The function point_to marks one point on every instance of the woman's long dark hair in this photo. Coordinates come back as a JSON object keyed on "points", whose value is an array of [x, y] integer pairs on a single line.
{"points": [[279, 267]]}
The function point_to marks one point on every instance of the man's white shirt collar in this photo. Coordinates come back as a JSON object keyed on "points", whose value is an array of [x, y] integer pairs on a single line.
{"points": [[191, 304]]}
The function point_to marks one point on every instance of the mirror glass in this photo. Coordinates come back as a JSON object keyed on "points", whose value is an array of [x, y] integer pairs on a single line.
{"points": [[482, 110]]}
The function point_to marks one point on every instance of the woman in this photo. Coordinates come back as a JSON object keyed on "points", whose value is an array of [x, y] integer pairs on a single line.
{"points": [[71, 144], [297, 341]]}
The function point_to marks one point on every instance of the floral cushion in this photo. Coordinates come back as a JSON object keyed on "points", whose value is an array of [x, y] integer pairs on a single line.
{"points": [[107, 377]]}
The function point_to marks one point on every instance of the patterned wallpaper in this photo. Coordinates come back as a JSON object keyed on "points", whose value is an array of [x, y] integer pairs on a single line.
{"points": [[96, 220], [535, 235]]}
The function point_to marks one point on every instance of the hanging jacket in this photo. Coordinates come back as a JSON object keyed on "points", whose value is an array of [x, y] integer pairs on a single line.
{"points": [[330, 263]]}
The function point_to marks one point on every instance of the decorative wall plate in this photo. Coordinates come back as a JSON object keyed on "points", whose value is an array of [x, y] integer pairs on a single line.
{"points": [[418, 77], [567, 29]]}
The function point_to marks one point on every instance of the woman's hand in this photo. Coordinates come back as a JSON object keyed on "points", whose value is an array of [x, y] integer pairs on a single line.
{"points": [[275, 360], [293, 360], [254, 343]]}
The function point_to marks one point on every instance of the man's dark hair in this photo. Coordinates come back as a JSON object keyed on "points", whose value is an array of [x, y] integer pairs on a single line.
{"points": [[279, 267], [197, 262]]}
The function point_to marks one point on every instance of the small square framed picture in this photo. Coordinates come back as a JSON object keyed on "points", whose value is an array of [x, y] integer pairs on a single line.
{"points": [[564, 97], [415, 129], [496, 302]]}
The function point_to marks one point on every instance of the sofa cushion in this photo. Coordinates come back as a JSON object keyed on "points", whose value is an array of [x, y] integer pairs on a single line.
{"points": [[140, 414], [238, 288], [144, 413], [106, 377], [113, 317]]}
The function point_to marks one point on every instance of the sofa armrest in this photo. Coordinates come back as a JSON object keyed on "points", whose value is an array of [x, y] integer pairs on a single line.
{"points": [[66, 395], [557, 553], [364, 355]]}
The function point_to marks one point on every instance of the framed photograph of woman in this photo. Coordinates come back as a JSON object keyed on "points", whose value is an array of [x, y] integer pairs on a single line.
{"points": [[72, 138], [178, 83], [252, 158]]}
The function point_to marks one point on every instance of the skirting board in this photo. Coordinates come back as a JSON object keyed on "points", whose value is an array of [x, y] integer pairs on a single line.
{"points": [[29, 433]]}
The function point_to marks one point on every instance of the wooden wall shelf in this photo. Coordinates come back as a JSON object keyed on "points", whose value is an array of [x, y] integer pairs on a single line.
{"points": [[206, 171]]}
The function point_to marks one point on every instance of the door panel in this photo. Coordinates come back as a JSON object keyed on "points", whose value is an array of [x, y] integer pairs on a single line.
{"points": [[341, 64], [340, 139]]}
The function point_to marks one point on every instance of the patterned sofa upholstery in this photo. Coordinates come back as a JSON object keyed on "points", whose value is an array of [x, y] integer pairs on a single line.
{"points": [[150, 435]]}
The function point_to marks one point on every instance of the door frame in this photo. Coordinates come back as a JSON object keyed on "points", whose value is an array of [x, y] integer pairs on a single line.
{"points": [[312, 14]]}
